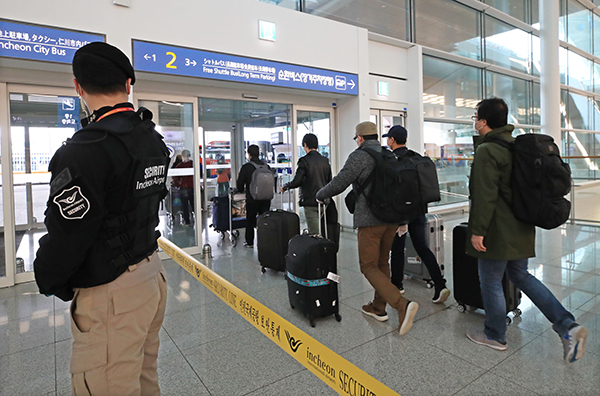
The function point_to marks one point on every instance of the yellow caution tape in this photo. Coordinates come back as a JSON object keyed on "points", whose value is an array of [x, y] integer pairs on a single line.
{"points": [[341, 375]]}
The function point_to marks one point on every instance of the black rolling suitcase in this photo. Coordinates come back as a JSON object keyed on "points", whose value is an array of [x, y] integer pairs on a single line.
{"points": [[466, 278], [311, 273], [275, 229]]}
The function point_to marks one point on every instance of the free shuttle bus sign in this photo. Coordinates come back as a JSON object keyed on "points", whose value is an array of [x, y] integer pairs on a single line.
{"points": [[27, 41], [160, 58]]}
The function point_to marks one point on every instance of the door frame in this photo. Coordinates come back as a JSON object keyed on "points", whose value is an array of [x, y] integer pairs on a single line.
{"points": [[158, 97], [333, 141]]}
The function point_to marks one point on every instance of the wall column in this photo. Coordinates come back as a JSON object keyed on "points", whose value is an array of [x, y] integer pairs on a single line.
{"points": [[550, 73]]}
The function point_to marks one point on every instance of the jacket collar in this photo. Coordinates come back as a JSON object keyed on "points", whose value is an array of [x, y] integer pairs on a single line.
{"points": [[504, 132]]}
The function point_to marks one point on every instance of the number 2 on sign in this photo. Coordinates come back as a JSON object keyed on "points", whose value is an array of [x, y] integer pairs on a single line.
{"points": [[170, 64]]}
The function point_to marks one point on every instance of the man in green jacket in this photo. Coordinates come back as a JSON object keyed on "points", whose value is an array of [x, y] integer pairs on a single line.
{"points": [[503, 243]]}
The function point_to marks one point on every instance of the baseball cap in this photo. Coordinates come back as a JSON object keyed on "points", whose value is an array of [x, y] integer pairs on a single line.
{"points": [[102, 51], [365, 128], [397, 132]]}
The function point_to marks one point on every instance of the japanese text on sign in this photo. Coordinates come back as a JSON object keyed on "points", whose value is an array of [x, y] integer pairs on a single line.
{"points": [[24, 41], [162, 58]]}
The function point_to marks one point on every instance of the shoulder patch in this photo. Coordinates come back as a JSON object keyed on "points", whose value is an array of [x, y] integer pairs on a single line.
{"points": [[60, 181], [72, 204]]}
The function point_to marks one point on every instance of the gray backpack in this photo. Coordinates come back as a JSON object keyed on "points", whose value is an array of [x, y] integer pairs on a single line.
{"points": [[262, 185]]}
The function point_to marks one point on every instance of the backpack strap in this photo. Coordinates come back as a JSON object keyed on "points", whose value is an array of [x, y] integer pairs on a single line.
{"points": [[377, 157]]}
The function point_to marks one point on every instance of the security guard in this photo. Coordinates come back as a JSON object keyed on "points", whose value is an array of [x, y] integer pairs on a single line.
{"points": [[101, 250]]}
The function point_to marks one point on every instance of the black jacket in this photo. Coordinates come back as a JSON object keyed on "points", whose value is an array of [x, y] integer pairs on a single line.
{"points": [[312, 174], [93, 185], [245, 177]]}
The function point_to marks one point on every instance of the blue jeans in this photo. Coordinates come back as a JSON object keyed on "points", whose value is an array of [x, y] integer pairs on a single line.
{"points": [[490, 278]]}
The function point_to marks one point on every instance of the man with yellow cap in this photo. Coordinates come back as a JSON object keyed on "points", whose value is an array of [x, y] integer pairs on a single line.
{"points": [[374, 236]]}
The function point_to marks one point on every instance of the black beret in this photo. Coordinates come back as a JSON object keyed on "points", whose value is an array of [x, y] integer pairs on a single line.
{"points": [[106, 52]]}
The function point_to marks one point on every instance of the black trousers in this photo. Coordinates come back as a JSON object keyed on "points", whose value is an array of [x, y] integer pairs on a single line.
{"points": [[253, 209], [417, 229], [187, 201]]}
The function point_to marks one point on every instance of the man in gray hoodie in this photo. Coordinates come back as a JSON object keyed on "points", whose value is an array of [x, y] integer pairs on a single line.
{"points": [[374, 236]]}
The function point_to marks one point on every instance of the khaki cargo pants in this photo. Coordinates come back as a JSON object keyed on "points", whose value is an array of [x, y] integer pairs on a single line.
{"points": [[115, 333]]}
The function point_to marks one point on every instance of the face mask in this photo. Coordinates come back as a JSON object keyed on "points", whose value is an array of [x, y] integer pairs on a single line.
{"points": [[86, 110]]}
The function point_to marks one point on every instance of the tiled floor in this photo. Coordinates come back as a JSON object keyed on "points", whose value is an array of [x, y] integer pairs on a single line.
{"points": [[207, 349]]}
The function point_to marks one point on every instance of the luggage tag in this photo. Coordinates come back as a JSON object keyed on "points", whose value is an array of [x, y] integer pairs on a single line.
{"points": [[333, 277]]}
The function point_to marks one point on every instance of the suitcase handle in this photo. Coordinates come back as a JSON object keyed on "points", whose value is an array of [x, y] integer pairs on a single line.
{"points": [[324, 235]]}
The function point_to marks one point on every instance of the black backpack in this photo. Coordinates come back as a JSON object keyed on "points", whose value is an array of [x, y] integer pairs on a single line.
{"points": [[540, 180], [394, 195], [428, 178]]}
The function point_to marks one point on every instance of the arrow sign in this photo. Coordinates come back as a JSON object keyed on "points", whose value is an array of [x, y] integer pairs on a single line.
{"points": [[352, 84], [146, 56]]}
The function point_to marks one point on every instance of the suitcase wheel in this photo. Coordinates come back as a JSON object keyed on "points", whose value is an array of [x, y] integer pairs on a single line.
{"points": [[508, 320], [312, 322], [430, 284], [461, 307], [236, 233], [338, 317], [292, 305], [263, 270], [517, 312]]}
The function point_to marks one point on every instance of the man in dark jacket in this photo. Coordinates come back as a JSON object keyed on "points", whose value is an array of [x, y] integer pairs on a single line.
{"points": [[312, 174], [396, 140], [503, 243], [253, 207], [100, 250], [374, 236]]}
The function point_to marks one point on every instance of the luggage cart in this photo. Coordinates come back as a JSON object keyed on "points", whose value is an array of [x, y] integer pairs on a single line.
{"points": [[229, 214]]}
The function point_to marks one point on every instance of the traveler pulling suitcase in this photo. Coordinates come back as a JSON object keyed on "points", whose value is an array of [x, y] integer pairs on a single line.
{"points": [[275, 228], [311, 273], [466, 278], [434, 233]]}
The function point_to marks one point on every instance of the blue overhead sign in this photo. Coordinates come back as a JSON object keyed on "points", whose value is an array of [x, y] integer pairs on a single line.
{"points": [[160, 58], [24, 41]]}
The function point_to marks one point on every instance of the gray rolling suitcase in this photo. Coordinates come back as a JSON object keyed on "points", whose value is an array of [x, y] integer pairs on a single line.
{"points": [[413, 265]]}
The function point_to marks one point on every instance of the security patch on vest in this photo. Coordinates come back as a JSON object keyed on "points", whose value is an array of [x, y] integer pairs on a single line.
{"points": [[72, 204]]}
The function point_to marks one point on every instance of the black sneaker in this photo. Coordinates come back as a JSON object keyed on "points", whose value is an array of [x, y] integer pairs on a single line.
{"points": [[440, 295], [248, 245]]}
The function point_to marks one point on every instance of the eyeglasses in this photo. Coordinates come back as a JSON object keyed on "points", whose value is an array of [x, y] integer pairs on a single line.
{"points": [[474, 118], [355, 137]]}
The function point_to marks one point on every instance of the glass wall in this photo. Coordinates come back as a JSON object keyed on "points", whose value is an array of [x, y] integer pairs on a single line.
{"points": [[582, 145], [450, 146], [448, 26], [579, 72], [579, 26], [450, 89], [178, 214], [515, 8], [507, 46], [514, 91], [387, 17]]}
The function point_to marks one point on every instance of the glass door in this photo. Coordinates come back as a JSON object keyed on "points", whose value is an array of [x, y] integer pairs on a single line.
{"points": [[320, 123], [385, 119], [227, 128], [180, 219], [39, 124]]}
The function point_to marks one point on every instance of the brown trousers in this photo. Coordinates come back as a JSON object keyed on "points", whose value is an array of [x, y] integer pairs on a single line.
{"points": [[374, 245], [115, 333]]}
